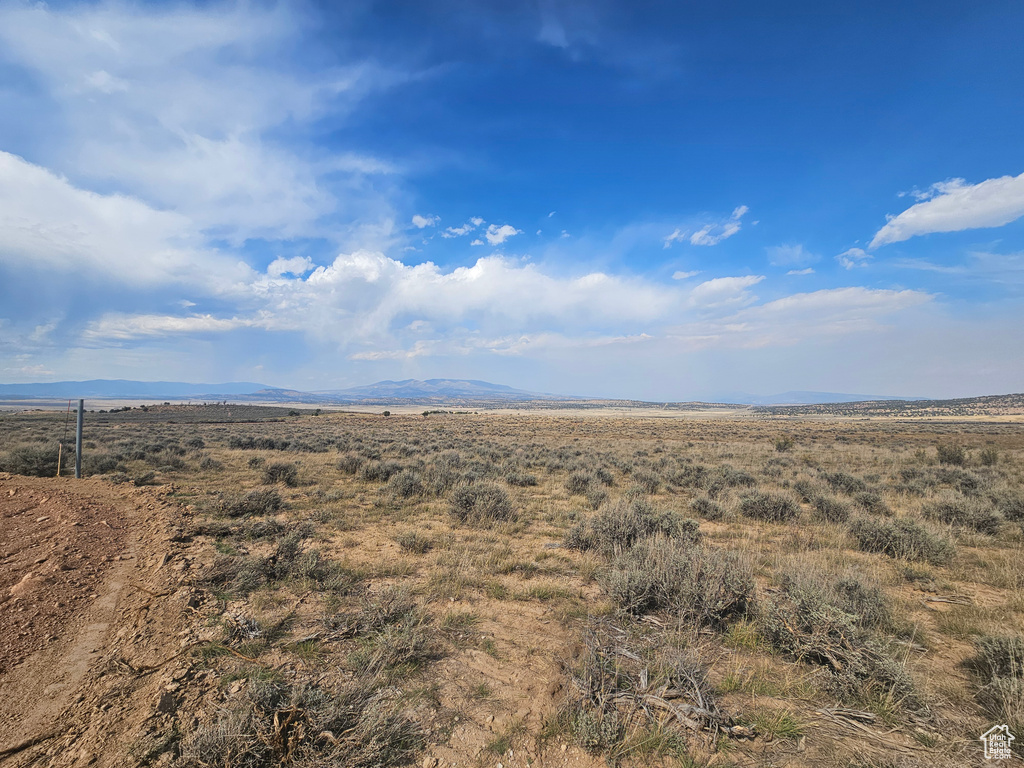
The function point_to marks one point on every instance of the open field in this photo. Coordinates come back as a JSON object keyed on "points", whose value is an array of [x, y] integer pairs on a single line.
{"points": [[259, 586]]}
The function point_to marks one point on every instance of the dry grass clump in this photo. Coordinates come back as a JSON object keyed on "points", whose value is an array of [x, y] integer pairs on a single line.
{"points": [[830, 623], [999, 665], [629, 700], [482, 504], [359, 724], [619, 526], [901, 538], [256, 502], [243, 574]]}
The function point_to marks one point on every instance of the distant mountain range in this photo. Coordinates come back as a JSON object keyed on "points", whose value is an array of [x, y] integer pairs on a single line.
{"points": [[382, 392], [803, 398]]}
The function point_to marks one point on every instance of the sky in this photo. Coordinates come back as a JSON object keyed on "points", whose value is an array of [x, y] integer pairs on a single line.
{"points": [[654, 200]]}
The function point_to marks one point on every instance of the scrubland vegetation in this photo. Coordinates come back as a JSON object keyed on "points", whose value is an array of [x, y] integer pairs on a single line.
{"points": [[486, 589]]}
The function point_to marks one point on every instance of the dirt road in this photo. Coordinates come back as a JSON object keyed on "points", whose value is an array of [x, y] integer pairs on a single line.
{"points": [[91, 619]]}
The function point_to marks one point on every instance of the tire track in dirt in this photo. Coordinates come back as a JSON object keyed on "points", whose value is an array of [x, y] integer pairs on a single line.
{"points": [[78, 700]]}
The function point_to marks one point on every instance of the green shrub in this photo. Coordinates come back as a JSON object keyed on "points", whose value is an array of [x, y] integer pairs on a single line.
{"points": [[405, 484], [957, 510], [901, 538], [617, 527], [1010, 504], [579, 482], [281, 472], [482, 504], [844, 481], [379, 471], [37, 461], [988, 457], [772, 507], [708, 508], [699, 584], [872, 502], [832, 508], [951, 453], [350, 463]]}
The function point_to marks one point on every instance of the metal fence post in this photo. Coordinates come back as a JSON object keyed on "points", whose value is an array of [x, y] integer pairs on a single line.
{"points": [[78, 440]]}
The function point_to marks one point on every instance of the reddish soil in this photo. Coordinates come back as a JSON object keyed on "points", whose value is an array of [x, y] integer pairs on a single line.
{"points": [[54, 548], [92, 596]]}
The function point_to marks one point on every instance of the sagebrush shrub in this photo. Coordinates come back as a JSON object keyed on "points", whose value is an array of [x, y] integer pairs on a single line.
{"points": [[951, 453], [974, 514], [697, 583], [772, 507], [832, 508], [620, 525], [281, 472], [481, 504], [902, 538]]}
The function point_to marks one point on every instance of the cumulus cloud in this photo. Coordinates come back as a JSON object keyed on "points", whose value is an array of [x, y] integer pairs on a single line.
{"points": [[424, 221], [681, 275], [497, 235], [297, 265], [710, 233], [955, 205], [853, 258], [465, 229]]}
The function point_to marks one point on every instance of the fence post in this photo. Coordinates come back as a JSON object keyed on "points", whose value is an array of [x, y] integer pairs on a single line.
{"points": [[78, 440]]}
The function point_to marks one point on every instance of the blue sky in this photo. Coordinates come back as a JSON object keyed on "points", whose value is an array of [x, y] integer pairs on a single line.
{"points": [[652, 200]]}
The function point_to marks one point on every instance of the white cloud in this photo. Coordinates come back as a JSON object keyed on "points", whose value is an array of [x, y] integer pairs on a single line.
{"points": [[425, 221], [46, 222], [297, 265], [955, 205], [710, 233], [477, 241], [465, 229], [853, 258], [808, 271], [800, 317], [191, 110], [680, 275], [791, 255], [123, 327], [497, 235], [724, 291]]}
